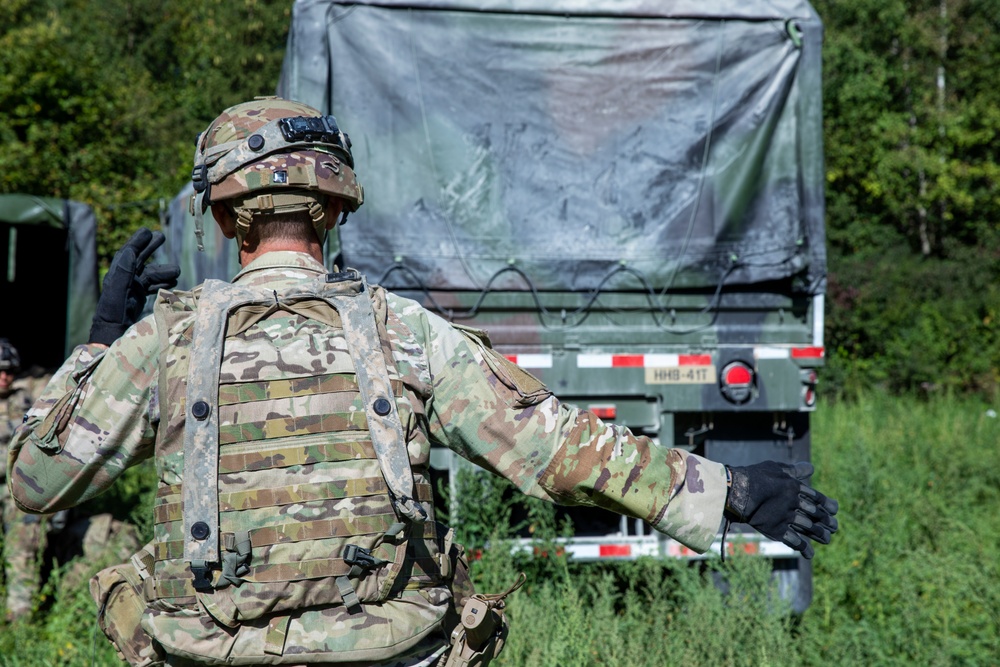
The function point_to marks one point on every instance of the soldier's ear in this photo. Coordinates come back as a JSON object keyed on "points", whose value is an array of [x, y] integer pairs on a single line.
{"points": [[224, 216], [334, 207]]}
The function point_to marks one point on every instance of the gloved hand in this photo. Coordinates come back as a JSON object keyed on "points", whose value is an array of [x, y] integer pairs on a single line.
{"points": [[127, 284], [774, 499]]}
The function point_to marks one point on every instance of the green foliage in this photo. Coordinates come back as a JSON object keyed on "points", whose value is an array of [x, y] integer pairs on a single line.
{"points": [[911, 123], [912, 118], [914, 325], [100, 102], [912, 576]]}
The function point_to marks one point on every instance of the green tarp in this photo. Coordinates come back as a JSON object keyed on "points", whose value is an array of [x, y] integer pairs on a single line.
{"points": [[48, 263], [569, 138]]}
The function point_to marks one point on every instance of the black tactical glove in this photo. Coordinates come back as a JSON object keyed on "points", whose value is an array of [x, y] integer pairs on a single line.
{"points": [[774, 498], [127, 284]]}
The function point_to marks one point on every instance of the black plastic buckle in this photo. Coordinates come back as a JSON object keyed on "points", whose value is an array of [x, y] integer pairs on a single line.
{"points": [[199, 178], [202, 578], [355, 555]]}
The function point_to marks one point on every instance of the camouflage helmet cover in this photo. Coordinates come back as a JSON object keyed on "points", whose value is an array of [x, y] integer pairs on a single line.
{"points": [[10, 360], [249, 158]]}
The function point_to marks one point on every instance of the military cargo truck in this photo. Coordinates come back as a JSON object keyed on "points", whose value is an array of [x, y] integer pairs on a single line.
{"points": [[626, 195], [48, 255]]}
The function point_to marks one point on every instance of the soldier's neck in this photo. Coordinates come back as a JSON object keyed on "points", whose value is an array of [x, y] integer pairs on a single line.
{"points": [[248, 254]]}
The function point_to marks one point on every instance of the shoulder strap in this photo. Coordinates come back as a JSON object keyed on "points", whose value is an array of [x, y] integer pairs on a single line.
{"points": [[358, 319], [201, 427]]}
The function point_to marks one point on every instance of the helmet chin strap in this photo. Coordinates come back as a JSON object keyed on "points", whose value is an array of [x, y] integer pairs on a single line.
{"points": [[196, 207]]}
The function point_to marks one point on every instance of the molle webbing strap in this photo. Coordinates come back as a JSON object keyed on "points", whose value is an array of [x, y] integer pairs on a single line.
{"points": [[282, 427], [384, 424], [271, 389], [166, 509], [297, 531]]}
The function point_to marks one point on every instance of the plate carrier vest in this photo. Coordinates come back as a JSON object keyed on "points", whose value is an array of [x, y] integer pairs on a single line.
{"points": [[297, 487]]}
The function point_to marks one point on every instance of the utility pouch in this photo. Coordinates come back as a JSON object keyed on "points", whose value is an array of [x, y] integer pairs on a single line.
{"points": [[117, 590], [482, 632]]}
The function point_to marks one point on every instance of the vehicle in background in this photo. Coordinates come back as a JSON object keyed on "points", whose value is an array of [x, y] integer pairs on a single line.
{"points": [[627, 196], [48, 261]]}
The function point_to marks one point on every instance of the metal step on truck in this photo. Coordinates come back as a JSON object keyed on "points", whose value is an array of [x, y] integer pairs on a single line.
{"points": [[626, 195]]}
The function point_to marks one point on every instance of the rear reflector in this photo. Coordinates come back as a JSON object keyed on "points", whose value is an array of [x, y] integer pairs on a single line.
{"points": [[809, 397], [604, 411], [531, 360], [612, 550], [807, 353]]}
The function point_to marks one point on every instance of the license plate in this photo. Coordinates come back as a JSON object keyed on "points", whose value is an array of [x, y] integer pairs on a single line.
{"points": [[681, 375]]}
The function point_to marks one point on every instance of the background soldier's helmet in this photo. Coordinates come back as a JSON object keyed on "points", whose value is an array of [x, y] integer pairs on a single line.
{"points": [[10, 360], [275, 155]]}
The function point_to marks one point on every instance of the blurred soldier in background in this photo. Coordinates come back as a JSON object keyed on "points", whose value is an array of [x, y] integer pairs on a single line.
{"points": [[23, 534], [26, 536]]}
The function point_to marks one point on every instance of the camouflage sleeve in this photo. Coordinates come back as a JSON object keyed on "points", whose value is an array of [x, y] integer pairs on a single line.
{"points": [[498, 416], [94, 420]]}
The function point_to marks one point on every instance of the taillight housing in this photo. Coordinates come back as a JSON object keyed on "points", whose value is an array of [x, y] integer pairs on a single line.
{"points": [[736, 381]]}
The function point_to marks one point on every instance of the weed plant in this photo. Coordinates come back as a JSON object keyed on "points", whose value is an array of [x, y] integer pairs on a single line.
{"points": [[911, 578]]}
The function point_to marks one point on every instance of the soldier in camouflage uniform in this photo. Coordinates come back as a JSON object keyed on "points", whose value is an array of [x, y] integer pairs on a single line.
{"points": [[291, 415], [23, 534]]}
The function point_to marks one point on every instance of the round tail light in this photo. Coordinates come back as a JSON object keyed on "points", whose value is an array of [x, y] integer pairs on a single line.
{"points": [[736, 382]]}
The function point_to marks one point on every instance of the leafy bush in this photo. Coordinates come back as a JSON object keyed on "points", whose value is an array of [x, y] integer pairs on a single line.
{"points": [[912, 325]]}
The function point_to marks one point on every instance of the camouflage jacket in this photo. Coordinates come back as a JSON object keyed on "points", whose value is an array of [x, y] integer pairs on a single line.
{"points": [[483, 407]]}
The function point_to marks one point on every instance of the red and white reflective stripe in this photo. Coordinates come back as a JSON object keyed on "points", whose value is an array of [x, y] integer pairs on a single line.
{"points": [[531, 360], [642, 360], [615, 550], [789, 352], [591, 551]]}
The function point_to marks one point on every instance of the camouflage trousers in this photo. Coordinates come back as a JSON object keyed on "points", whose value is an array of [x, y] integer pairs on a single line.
{"points": [[23, 541]]}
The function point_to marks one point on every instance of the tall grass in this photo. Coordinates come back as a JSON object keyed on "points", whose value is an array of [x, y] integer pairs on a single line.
{"points": [[910, 579], [912, 576]]}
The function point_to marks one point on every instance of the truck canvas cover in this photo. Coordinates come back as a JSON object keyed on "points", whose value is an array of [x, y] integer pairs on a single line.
{"points": [[48, 247], [567, 139]]}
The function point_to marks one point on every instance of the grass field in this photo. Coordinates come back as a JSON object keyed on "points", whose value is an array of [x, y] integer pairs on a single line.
{"points": [[912, 578]]}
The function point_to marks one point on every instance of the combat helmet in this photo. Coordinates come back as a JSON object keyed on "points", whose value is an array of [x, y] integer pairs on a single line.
{"points": [[10, 360], [273, 155]]}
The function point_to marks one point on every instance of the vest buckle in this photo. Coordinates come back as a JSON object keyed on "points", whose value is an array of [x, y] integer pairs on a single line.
{"points": [[356, 556], [202, 578]]}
